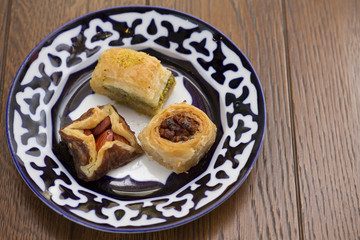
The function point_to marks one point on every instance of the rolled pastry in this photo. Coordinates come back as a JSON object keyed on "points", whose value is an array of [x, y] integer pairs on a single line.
{"points": [[133, 78], [178, 137], [100, 140]]}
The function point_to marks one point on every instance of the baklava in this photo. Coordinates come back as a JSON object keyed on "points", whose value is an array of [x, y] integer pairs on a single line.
{"points": [[178, 137], [99, 141], [133, 78]]}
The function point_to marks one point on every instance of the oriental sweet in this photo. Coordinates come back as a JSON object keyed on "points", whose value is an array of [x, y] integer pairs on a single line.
{"points": [[100, 140], [133, 78], [178, 137]]}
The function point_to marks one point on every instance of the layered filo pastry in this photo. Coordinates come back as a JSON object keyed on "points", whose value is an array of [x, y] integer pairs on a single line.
{"points": [[100, 140], [178, 137], [133, 78]]}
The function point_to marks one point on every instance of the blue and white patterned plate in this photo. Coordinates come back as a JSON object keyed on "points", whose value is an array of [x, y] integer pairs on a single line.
{"points": [[52, 88]]}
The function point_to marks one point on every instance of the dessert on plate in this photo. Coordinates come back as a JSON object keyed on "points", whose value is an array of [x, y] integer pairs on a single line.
{"points": [[133, 78], [100, 140], [178, 137]]}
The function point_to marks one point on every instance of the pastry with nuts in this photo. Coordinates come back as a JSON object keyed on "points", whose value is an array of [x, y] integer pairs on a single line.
{"points": [[178, 137], [99, 141]]}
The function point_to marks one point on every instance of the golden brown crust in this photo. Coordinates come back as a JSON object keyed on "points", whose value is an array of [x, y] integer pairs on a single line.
{"points": [[178, 156], [131, 77], [92, 164]]}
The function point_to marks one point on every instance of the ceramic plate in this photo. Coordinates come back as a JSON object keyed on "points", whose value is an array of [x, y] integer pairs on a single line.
{"points": [[52, 88]]}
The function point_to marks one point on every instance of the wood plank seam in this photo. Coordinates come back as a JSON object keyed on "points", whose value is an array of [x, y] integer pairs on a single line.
{"points": [[292, 123], [5, 44]]}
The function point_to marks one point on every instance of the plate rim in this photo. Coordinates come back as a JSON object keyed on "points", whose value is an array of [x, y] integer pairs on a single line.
{"points": [[160, 226]]}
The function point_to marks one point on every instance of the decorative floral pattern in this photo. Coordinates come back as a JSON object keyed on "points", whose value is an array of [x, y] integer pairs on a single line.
{"points": [[219, 70]]}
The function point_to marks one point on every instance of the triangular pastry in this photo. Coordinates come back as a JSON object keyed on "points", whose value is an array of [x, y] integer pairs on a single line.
{"points": [[100, 140]]}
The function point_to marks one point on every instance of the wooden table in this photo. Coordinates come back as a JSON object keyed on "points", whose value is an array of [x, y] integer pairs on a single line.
{"points": [[306, 181]]}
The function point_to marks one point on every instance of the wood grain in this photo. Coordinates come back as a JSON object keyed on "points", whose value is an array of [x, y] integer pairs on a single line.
{"points": [[323, 43], [4, 17]]}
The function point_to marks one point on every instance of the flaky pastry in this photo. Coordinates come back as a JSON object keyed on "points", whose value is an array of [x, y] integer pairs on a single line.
{"points": [[100, 140], [178, 137], [133, 78]]}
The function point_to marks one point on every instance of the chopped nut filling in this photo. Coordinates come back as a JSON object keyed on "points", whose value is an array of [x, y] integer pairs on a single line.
{"points": [[178, 128]]}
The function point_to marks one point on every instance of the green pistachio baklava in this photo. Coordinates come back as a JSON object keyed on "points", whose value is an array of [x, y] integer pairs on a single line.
{"points": [[133, 78]]}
